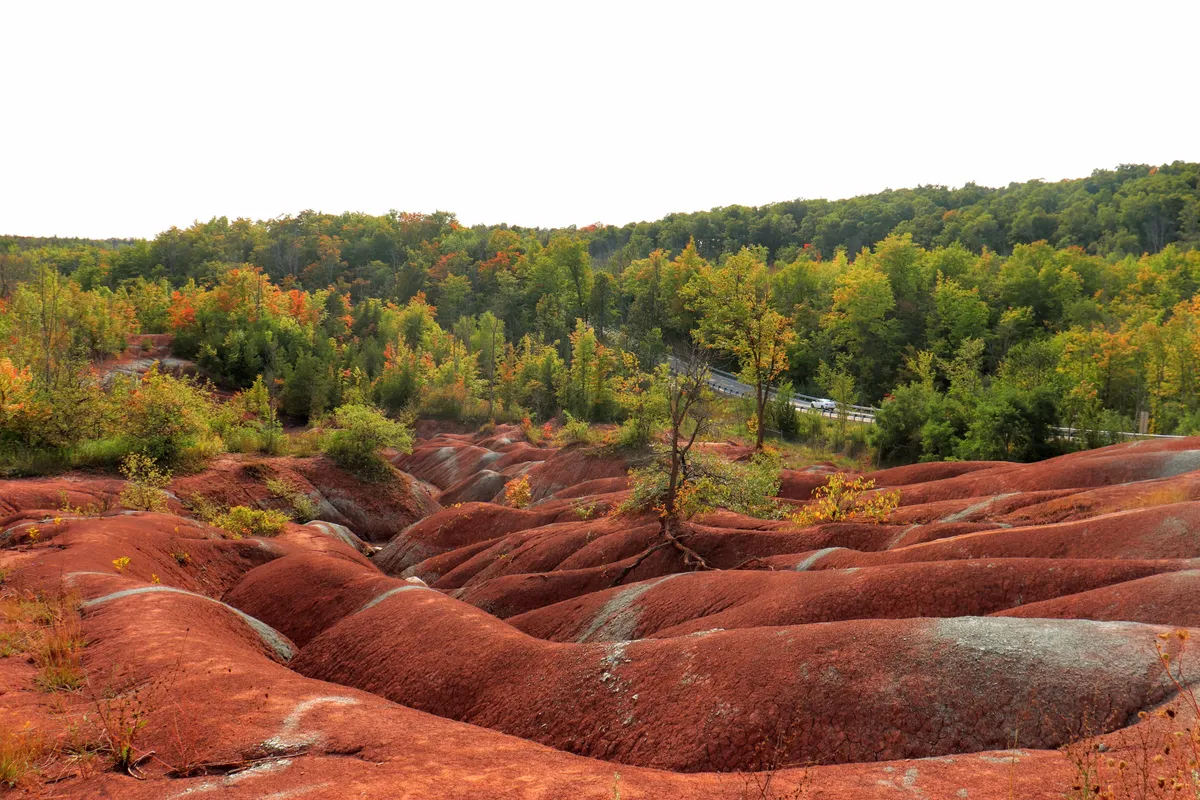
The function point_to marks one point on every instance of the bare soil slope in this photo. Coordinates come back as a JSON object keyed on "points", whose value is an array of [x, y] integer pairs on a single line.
{"points": [[558, 651]]}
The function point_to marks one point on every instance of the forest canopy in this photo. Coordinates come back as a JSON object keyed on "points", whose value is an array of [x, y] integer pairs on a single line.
{"points": [[978, 317]]}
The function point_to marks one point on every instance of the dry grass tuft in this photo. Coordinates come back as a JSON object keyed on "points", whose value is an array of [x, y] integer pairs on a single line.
{"points": [[20, 752]]}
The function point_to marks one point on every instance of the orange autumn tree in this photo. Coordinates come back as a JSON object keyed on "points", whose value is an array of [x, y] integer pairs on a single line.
{"points": [[245, 325], [16, 388]]}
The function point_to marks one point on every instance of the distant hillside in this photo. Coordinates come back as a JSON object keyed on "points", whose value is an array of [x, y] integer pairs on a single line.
{"points": [[1129, 210]]}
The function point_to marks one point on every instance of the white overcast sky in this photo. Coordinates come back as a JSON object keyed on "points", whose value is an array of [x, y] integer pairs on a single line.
{"points": [[122, 119]]}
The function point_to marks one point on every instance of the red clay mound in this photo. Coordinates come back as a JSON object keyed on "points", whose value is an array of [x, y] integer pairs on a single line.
{"points": [[565, 545], [342, 534], [679, 605], [444, 465], [510, 596], [302, 595], [539, 566], [598, 486], [66, 492], [452, 528], [1106, 500], [933, 471], [177, 551], [516, 452], [480, 487], [1165, 532], [474, 525], [974, 509], [212, 691], [231, 651], [374, 511], [1171, 598], [572, 466], [799, 484], [911, 688], [1122, 463]]}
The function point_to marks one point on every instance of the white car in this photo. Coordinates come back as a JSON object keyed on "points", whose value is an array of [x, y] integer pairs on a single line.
{"points": [[824, 405]]}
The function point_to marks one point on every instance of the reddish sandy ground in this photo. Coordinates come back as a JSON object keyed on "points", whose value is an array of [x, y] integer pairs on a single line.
{"points": [[559, 651]]}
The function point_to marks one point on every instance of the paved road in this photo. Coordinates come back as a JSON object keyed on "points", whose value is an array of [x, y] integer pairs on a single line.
{"points": [[727, 384]]}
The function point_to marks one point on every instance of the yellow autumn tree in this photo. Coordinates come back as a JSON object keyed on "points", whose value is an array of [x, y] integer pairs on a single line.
{"points": [[739, 317]]}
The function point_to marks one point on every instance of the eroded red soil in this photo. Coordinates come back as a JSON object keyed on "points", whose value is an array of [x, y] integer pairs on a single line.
{"points": [[550, 652]]}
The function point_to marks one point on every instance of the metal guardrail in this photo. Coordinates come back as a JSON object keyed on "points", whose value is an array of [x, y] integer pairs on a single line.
{"points": [[862, 410], [854, 416], [1072, 433], [867, 413]]}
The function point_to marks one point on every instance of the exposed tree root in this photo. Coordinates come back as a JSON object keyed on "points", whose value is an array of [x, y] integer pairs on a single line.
{"points": [[690, 557], [649, 551]]}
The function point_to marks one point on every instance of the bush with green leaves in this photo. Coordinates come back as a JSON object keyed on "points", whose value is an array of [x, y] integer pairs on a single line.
{"points": [[360, 432], [169, 420], [898, 433], [781, 414], [248, 423], [1010, 424], [145, 490], [642, 399], [241, 521], [303, 507], [573, 431], [711, 482]]}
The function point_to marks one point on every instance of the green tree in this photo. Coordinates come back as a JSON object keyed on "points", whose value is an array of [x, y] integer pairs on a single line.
{"points": [[860, 327], [488, 341], [739, 317], [360, 433], [588, 392], [840, 385], [958, 314]]}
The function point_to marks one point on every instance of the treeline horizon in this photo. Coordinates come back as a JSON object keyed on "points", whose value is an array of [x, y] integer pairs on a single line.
{"points": [[1134, 205], [980, 318]]}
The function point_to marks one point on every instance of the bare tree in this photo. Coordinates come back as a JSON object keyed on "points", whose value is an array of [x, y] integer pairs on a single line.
{"points": [[689, 414], [689, 417]]}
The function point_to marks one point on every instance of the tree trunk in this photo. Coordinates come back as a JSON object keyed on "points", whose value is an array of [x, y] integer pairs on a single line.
{"points": [[673, 481], [760, 399]]}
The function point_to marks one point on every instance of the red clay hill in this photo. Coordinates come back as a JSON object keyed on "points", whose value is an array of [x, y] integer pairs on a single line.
{"points": [[422, 639]]}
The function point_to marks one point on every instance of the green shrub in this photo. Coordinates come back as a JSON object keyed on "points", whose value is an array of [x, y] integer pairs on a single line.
{"points": [[168, 419], [144, 492], [104, 454], [197, 453], [453, 401], [398, 387], [304, 508], [248, 422], [361, 432], [574, 431], [810, 426], [23, 462], [303, 444], [243, 440], [242, 521], [782, 415], [710, 482]]}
